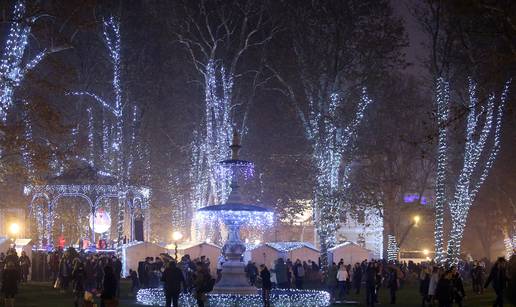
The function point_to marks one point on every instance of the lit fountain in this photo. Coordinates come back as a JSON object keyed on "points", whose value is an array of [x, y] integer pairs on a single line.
{"points": [[233, 289], [234, 214]]}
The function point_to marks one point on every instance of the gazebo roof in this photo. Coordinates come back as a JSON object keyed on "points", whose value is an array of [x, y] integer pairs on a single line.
{"points": [[82, 172]]}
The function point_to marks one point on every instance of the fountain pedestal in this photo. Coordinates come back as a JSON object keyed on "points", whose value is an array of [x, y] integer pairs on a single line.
{"points": [[234, 279]]}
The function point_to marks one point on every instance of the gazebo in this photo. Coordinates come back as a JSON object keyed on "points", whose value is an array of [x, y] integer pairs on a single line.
{"points": [[84, 181]]}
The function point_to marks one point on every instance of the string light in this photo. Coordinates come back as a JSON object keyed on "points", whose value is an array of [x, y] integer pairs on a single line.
{"points": [[12, 67], [115, 145], [27, 155], [256, 219], [392, 248], [290, 246], [89, 192], [329, 143], [472, 173], [443, 101], [509, 249], [278, 298]]}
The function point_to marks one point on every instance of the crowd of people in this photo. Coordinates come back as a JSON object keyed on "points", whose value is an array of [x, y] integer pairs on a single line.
{"points": [[97, 275], [87, 275], [13, 270], [188, 275], [437, 285]]}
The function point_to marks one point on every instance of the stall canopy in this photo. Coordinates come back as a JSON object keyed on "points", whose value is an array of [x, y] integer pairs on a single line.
{"points": [[267, 253], [349, 252], [297, 250], [261, 254], [135, 252], [196, 250]]}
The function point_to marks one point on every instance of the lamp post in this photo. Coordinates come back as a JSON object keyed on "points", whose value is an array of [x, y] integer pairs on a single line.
{"points": [[176, 236], [415, 223]]}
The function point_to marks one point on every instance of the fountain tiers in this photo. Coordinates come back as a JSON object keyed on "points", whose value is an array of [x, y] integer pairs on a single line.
{"points": [[234, 214]]}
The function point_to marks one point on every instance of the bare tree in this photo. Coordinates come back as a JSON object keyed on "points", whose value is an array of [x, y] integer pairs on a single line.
{"points": [[220, 37]]}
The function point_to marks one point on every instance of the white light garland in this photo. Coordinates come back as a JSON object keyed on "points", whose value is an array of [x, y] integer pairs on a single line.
{"points": [[12, 67], [290, 246], [256, 219], [509, 249], [475, 148], [115, 144], [329, 143], [443, 101], [392, 248], [279, 298]]}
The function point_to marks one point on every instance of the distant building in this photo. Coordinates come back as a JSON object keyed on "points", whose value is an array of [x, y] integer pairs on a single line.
{"points": [[364, 228]]}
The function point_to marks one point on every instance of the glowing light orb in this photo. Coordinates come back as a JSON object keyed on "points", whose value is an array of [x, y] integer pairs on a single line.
{"points": [[14, 228], [102, 221]]}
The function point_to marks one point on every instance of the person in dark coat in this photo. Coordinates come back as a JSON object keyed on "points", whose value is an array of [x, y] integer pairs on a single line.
{"points": [[371, 280], [357, 277], [265, 276], [392, 283], [424, 285], [172, 279], [331, 280], [10, 278], [458, 287], [109, 286], [201, 284], [117, 269], [299, 274], [78, 284], [24, 266], [281, 274], [65, 271], [444, 291], [498, 277]]}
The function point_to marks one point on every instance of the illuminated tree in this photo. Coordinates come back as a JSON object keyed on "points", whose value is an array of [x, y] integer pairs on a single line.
{"points": [[13, 67], [218, 36], [330, 41], [121, 146], [479, 157], [443, 100], [14, 64]]}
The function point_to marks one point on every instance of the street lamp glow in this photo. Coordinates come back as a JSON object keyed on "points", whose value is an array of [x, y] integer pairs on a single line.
{"points": [[417, 218], [176, 236], [426, 252], [14, 228]]}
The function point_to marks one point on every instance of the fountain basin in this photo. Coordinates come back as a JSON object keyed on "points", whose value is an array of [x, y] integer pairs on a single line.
{"points": [[279, 298], [243, 214]]}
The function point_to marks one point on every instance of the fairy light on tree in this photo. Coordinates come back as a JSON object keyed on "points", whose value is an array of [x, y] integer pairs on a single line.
{"points": [[113, 136], [329, 144], [13, 68], [91, 136], [14, 64], [217, 38], [392, 248], [481, 147], [442, 100]]}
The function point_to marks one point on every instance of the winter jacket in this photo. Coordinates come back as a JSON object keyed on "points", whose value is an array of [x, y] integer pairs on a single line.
{"points": [[172, 279], [498, 277]]}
